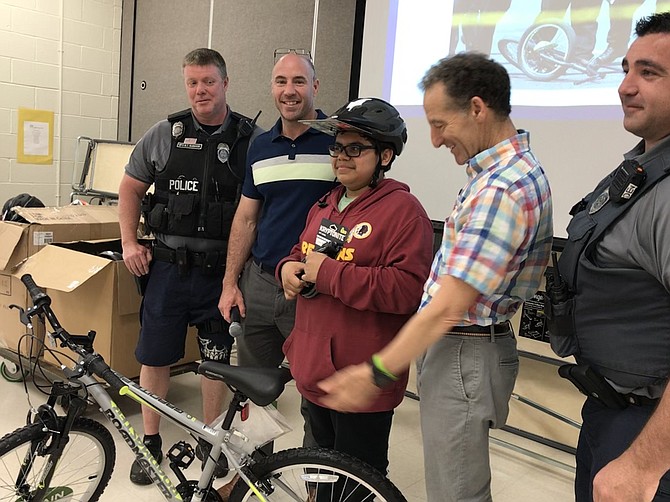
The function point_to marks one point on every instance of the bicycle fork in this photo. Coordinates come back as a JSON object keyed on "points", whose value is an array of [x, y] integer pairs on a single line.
{"points": [[54, 442]]}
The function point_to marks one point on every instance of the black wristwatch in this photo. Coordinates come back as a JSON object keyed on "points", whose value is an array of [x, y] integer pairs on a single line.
{"points": [[381, 379]]}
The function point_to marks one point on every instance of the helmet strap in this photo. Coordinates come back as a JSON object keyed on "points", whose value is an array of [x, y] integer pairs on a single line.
{"points": [[377, 174]]}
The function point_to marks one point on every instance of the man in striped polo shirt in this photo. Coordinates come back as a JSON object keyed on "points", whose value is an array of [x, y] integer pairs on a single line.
{"points": [[288, 170]]}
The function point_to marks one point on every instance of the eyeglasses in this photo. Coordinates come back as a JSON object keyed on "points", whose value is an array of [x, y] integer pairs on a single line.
{"points": [[278, 53], [351, 150]]}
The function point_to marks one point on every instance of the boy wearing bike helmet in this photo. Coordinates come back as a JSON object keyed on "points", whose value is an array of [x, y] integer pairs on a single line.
{"points": [[367, 290]]}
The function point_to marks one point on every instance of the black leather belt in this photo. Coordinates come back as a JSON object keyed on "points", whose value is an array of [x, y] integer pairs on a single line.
{"points": [[499, 329], [265, 268]]}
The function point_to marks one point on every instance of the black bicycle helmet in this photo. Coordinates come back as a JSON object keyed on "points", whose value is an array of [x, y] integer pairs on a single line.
{"points": [[371, 117], [22, 200]]}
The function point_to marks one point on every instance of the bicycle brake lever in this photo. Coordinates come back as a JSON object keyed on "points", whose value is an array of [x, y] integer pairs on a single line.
{"points": [[23, 317]]}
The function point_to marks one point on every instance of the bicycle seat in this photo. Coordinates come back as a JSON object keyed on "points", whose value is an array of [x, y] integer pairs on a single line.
{"points": [[261, 385]]}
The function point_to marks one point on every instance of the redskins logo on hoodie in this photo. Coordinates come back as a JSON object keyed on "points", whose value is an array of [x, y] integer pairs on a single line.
{"points": [[360, 231]]}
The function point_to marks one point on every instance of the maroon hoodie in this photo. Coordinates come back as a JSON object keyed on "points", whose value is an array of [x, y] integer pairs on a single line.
{"points": [[367, 293]]}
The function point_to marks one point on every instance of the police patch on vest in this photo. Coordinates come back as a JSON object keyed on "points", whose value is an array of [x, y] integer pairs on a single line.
{"points": [[181, 184], [600, 201]]}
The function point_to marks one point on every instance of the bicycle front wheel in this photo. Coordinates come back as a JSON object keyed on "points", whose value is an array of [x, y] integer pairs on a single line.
{"points": [[82, 471], [316, 475], [545, 50]]}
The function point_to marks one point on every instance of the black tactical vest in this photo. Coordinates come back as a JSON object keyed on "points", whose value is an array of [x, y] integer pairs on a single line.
{"points": [[198, 191], [621, 317]]}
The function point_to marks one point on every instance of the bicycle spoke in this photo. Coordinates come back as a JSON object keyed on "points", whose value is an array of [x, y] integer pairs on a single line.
{"points": [[80, 474], [316, 475]]}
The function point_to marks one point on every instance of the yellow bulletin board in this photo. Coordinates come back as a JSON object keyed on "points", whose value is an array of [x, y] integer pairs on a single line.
{"points": [[35, 137]]}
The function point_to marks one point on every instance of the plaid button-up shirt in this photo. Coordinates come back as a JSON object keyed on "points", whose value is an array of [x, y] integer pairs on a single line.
{"points": [[498, 236]]}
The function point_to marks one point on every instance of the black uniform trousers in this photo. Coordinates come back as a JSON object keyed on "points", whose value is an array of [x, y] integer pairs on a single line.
{"points": [[605, 435]]}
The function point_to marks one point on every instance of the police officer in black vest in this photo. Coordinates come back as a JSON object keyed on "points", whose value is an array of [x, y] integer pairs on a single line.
{"points": [[610, 306], [195, 161]]}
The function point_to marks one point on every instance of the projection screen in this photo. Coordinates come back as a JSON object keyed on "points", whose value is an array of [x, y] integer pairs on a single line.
{"points": [[571, 110]]}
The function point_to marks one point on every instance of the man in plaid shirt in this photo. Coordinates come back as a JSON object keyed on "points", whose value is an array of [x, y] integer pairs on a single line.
{"points": [[495, 248]]}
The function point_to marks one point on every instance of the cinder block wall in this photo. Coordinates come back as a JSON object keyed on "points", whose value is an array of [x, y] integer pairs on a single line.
{"points": [[62, 56]]}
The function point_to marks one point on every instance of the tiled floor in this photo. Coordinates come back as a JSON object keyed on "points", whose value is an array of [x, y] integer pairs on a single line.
{"points": [[516, 476]]}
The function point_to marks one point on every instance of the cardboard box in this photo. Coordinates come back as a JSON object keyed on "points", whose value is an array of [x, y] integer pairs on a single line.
{"points": [[18, 241], [92, 292], [45, 225]]}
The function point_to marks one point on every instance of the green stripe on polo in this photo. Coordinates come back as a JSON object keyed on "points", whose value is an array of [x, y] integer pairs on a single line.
{"points": [[304, 167]]}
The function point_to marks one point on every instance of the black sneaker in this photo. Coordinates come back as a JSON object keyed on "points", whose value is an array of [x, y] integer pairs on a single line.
{"points": [[606, 57], [137, 473], [202, 450]]}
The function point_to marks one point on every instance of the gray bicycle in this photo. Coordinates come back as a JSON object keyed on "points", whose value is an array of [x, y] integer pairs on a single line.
{"points": [[71, 457]]}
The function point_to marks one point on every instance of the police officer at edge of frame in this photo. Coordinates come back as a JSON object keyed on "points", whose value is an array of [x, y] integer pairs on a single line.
{"points": [[613, 309], [195, 159]]}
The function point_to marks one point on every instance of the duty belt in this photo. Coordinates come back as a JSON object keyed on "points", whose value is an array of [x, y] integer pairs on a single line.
{"points": [[640, 400], [209, 262]]}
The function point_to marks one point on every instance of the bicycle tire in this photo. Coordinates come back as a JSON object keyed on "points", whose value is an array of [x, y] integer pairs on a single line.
{"points": [[545, 49], [316, 475], [81, 474], [505, 46]]}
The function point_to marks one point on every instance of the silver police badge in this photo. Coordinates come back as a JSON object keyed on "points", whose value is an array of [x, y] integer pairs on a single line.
{"points": [[223, 152], [177, 129], [600, 201]]}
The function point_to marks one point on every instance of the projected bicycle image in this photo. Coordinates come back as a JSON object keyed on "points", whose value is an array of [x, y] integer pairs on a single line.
{"points": [[550, 47], [574, 47], [547, 50]]}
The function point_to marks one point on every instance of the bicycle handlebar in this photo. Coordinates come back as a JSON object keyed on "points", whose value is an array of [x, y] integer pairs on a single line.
{"points": [[99, 367], [38, 296], [91, 361]]}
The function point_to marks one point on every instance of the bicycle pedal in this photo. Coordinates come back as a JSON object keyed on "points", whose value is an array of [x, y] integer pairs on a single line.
{"points": [[181, 454]]}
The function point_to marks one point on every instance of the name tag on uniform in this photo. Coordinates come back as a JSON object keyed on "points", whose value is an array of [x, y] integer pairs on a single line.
{"points": [[190, 144]]}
